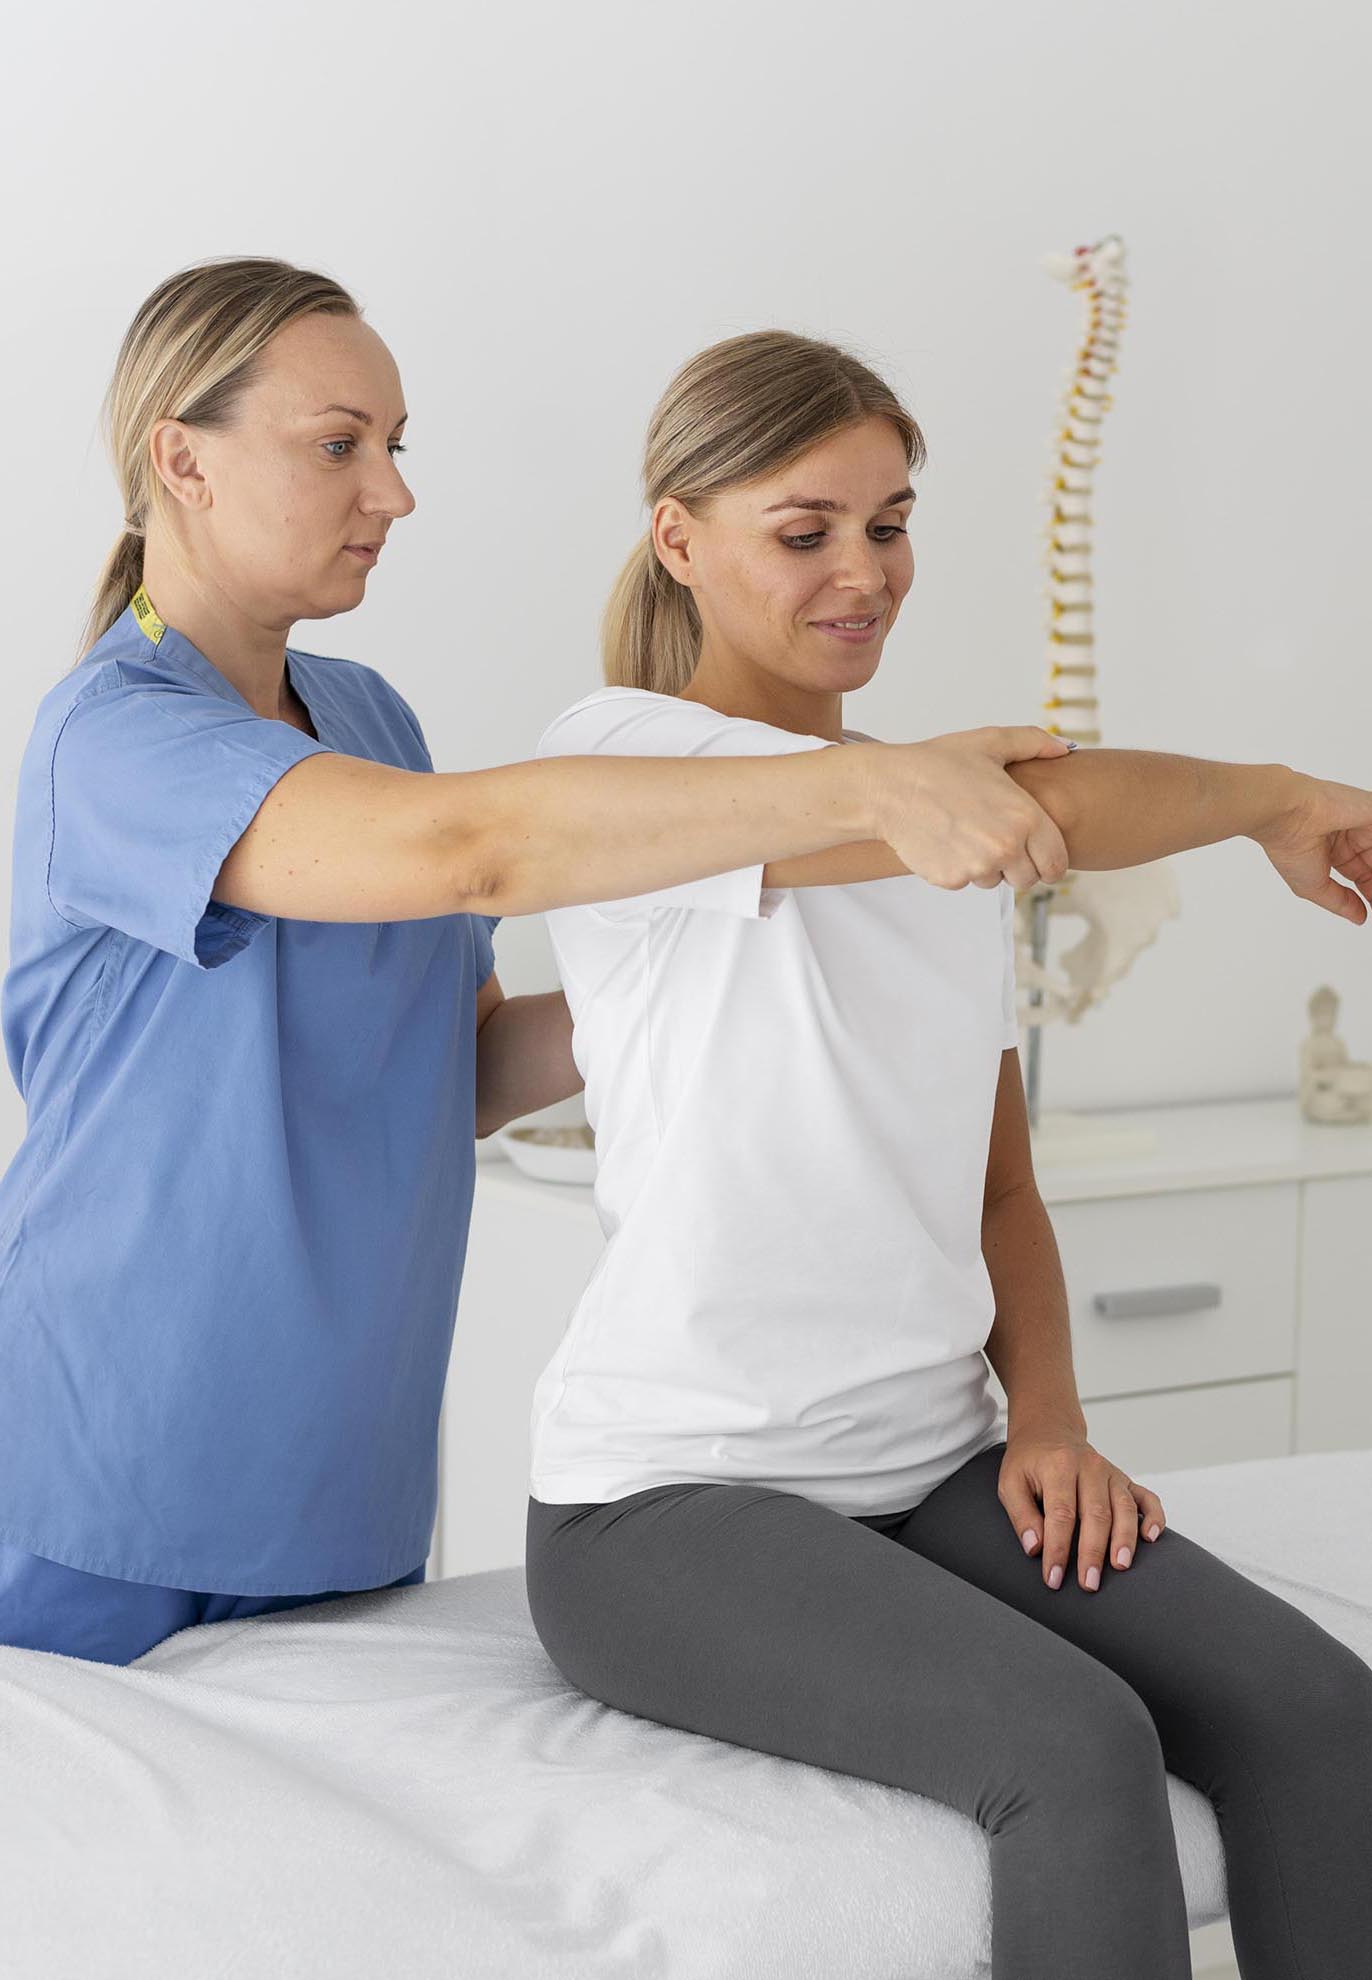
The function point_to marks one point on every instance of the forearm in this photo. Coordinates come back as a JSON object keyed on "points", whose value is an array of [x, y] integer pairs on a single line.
{"points": [[523, 1059], [1124, 807], [1030, 1343]]}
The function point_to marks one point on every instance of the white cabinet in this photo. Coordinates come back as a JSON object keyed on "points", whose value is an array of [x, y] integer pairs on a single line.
{"points": [[1219, 1292]]}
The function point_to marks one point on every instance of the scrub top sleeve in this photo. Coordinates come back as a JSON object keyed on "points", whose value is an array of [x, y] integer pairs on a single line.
{"points": [[151, 787], [1010, 1034], [660, 725], [483, 928]]}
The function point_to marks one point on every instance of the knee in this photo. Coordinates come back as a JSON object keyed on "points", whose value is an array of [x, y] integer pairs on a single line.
{"points": [[1094, 1758], [1321, 1696]]}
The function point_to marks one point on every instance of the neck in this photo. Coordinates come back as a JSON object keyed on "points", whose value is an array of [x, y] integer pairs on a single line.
{"points": [[250, 655], [737, 687]]}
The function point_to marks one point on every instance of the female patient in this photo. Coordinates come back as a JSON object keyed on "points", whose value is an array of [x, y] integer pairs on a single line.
{"points": [[770, 1502]]}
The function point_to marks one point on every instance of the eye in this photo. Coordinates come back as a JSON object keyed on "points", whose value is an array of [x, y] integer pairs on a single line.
{"points": [[883, 533], [395, 447]]}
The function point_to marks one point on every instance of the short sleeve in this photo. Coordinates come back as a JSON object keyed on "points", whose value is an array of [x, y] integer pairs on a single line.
{"points": [[483, 948], [1010, 1034], [151, 787], [636, 722]]}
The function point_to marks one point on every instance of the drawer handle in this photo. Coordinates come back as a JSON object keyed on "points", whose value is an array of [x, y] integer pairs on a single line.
{"points": [[1142, 1301]]}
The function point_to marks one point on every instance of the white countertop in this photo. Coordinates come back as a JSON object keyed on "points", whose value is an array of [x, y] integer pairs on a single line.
{"points": [[1203, 1144]]}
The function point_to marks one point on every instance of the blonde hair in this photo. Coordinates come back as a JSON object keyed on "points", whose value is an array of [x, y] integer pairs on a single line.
{"points": [[739, 410], [190, 353]]}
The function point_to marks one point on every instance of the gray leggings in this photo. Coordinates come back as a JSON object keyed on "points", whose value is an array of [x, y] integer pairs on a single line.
{"points": [[923, 1649]]}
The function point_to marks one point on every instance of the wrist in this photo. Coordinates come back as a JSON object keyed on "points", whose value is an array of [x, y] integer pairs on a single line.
{"points": [[1277, 792], [865, 789], [1045, 1417]]}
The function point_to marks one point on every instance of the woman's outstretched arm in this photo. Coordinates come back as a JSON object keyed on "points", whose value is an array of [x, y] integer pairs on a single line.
{"points": [[339, 838], [1124, 807]]}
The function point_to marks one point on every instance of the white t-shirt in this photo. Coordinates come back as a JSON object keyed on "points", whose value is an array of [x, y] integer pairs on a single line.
{"points": [[792, 1093]]}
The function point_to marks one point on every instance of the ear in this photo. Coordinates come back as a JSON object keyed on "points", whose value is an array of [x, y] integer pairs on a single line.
{"points": [[671, 533], [172, 448]]}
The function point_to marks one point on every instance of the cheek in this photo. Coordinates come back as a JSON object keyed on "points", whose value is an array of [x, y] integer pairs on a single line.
{"points": [[900, 572], [758, 588]]}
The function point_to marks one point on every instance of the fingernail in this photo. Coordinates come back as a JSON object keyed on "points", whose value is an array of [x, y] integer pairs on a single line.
{"points": [[1123, 1557], [1093, 1577], [1153, 1531], [1055, 1576], [1072, 745], [1029, 1537]]}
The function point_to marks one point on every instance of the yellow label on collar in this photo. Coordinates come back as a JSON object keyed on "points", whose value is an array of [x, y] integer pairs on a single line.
{"points": [[145, 615]]}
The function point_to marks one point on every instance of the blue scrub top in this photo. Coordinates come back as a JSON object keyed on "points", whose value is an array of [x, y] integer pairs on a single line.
{"points": [[232, 1239]]}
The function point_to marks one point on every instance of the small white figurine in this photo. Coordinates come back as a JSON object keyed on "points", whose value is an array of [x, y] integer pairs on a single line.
{"points": [[1334, 1087]]}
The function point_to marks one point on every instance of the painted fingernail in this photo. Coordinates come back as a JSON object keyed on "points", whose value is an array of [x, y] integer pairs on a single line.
{"points": [[1123, 1557], [1093, 1577], [1071, 745], [1055, 1576], [1153, 1531], [1030, 1538]]}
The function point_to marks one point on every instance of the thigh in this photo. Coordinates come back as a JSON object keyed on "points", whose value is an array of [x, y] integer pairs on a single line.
{"points": [[763, 1618], [45, 1605], [1209, 1651], [231, 1608]]}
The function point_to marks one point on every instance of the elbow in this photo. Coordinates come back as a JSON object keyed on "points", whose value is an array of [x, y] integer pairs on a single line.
{"points": [[479, 874]]}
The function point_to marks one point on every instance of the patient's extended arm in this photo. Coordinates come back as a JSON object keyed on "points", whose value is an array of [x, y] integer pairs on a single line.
{"points": [[1124, 807]]}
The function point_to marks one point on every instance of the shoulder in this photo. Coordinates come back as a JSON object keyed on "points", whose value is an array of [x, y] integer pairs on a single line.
{"points": [[600, 715], [638, 722], [106, 684]]}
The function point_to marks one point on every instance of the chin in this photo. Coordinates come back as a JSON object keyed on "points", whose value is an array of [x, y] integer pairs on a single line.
{"points": [[847, 680], [322, 608]]}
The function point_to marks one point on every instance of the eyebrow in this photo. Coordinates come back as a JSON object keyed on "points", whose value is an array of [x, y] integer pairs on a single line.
{"points": [[354, 412], [838, 508]]}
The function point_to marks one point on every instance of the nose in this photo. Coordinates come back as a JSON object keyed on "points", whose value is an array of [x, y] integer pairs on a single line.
{"points": [[388, 494], [860, 568]]}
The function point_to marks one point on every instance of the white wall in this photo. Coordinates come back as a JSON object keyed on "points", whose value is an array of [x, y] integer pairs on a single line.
{"points": [[544, 209]]}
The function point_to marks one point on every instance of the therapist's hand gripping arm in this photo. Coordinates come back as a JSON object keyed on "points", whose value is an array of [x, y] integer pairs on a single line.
{"points": [[1124, 807], [338, 838]]}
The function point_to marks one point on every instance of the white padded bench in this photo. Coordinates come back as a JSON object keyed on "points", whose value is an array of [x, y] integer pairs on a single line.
{"points": [[402, 1783]]}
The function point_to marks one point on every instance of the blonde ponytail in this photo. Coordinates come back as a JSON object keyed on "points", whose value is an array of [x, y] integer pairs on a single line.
{"points": [[118, 581], [650, 632]]}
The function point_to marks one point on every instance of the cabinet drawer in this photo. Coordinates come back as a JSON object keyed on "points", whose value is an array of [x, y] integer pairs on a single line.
{"points": [[1223, 1424], [1237, 1248]]}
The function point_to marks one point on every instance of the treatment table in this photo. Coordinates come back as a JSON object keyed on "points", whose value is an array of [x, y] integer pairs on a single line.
{"points": [[401, 1783]]}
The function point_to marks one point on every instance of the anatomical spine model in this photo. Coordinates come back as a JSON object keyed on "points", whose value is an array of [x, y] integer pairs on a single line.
{"points": [[1123, 907]]}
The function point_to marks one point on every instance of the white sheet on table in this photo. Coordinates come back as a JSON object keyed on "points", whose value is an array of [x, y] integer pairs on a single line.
{"points": [[403, 1784]]}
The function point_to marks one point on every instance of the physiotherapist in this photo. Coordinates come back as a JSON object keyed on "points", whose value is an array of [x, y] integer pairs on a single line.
{"points": [[250, 1001]]}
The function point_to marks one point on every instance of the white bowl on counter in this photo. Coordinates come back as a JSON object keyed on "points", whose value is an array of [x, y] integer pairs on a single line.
{"points": [[551, 1154]]}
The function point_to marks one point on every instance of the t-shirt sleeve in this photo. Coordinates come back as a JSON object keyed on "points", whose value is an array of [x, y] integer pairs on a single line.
{"points": [[151, 786], [1010, 1035], [659, 725]]}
